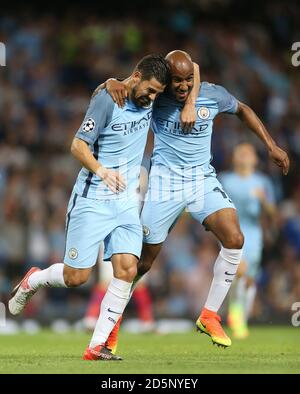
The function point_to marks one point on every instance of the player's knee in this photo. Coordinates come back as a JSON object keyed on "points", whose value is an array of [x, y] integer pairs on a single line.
{"points": [[239, 240], [234, 240], [75, 279], [126, 273]]}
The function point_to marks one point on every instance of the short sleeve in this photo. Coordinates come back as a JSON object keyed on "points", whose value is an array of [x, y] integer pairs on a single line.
{"points": [[226, 102], [97, 117]]}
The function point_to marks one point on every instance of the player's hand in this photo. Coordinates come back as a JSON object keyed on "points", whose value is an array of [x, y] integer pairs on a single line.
{"points": [[280, 158], [117, 90], [112, 179], [188, 117]]}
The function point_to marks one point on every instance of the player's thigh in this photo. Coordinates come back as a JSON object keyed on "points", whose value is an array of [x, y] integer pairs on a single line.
{"points": [[88, 223], [218, 214], [150, 252], [224, 224], [159, 217]]}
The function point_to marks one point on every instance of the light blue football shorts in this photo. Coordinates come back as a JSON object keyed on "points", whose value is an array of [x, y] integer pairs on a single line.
{"points": [[165, 201], [252, 249], [90, 221]]}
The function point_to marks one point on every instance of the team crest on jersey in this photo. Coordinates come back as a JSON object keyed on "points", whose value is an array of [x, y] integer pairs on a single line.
{"points": [[146, 231], [203, 113], [73, 254], [88, 125]]}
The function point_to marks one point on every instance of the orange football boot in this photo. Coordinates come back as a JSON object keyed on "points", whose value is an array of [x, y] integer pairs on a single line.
{"points": [[210, 323], [101, 353]]}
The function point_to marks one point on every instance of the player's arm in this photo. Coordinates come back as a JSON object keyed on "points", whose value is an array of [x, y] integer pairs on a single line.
{"points": [[188, 114], [252, 121], [81, 151], [116, 89], [95, 120]]}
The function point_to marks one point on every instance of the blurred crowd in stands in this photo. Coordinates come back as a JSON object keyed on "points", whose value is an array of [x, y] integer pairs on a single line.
{"points": [[53, 65]]}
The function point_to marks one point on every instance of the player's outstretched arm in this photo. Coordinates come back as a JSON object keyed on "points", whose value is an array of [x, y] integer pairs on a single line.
{"points": [[81, 151], [277, 155]]}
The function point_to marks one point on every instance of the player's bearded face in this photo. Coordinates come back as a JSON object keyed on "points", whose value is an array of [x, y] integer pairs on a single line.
{"points": [[144, 92], [140, 97]]}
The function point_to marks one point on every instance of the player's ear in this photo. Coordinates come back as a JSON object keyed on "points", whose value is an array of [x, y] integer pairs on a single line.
{"points": [[137, 76]]}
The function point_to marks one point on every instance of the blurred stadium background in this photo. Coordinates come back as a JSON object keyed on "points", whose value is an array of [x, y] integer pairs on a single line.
{"points": [[55, 59]]}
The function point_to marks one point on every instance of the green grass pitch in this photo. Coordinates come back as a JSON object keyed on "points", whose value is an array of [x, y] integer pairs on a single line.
{"points": [[267, 350]]}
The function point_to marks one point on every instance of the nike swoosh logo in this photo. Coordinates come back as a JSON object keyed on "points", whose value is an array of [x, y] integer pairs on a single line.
{"points": [[228, 273], [117, 313]]}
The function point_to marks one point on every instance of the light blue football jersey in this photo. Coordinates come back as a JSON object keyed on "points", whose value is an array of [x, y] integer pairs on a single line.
{"points": [[175, 149], [117, 138]]}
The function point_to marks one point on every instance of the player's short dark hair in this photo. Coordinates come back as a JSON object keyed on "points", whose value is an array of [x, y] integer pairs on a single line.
{"points": [[154, 66]]}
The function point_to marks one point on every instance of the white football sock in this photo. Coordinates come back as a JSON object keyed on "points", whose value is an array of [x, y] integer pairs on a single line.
{"points": [[250, 297], [112, 307], [225, 269], [50, 277]]}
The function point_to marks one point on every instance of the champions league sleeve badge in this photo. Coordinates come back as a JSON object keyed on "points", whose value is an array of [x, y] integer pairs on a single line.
{"points": [[88, 125]]}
